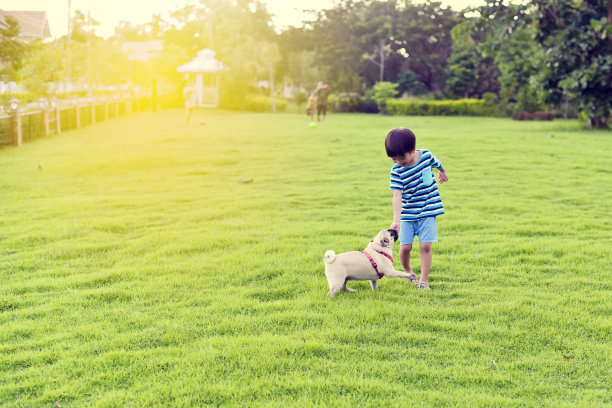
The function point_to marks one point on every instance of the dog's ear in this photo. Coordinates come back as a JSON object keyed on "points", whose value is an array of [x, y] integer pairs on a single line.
{"points": [[393, 234]]}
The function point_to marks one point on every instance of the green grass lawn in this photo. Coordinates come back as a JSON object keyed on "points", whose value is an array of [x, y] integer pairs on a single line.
{"points": [[136, 270]]}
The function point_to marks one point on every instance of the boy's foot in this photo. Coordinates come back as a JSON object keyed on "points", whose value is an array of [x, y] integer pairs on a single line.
{"points": [[412, 278], [423, 286]]}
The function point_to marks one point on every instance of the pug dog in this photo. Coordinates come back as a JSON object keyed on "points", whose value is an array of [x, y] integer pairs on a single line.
{"points": [[371, 264]]}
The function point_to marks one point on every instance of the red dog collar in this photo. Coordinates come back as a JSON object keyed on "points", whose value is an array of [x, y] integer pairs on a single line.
{"points": [[380, 275]]}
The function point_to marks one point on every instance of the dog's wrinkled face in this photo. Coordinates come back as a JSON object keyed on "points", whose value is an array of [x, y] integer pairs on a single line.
{"points": [[386, 238]]}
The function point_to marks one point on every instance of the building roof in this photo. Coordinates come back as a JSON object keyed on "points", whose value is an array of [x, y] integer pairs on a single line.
{"points": [[142, 50], [32, 24]]}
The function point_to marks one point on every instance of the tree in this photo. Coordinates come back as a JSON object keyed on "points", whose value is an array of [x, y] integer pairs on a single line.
{"points": [[303, 71], [469, 72], [43, 66], [296, 47], [360, 42], [342, 58], [518, 61], [270, 56], [576, 61], [127, 31], [382, 92], [236, 31], [376, 25], [423, 35], [462, 64], [409, 83], [165, 63], [12, 49]]}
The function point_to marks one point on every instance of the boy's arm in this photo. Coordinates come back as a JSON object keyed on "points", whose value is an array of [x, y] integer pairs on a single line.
{"points": [[442, 176], [397, 209]]}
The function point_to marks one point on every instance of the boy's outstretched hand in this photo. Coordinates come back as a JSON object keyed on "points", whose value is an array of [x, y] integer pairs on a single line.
{"points": [[395, 226], [442, 176]]}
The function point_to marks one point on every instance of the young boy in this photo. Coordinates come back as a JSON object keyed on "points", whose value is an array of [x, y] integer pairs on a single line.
{"points": [[416, 201], [310, 105]]}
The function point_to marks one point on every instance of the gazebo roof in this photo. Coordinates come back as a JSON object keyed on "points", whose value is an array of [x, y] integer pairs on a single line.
{"points": [[204, 62]]}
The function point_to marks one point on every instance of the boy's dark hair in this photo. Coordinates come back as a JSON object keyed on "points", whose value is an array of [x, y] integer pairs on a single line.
{"points": [[399, 142]]}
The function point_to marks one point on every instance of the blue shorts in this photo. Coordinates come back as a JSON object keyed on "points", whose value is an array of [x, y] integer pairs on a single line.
{"points": [[425, 228]]}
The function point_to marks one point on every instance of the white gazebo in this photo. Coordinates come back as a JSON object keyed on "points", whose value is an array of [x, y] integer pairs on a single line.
{"points": [[206, 69]]}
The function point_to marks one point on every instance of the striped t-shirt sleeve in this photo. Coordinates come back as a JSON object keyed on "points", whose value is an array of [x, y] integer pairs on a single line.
{"points": [[396, 181], [434, 162]]}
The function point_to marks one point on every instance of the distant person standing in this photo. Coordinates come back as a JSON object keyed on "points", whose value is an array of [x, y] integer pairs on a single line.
{"points": [[322, 92], [189, 94]]}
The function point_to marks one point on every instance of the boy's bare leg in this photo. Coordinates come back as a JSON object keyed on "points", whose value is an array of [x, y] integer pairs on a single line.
{"points": [[426, 257], [404, 255]]}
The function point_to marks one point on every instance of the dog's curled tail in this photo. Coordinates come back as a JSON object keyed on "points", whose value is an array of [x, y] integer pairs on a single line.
{"points": [[329, 257]]}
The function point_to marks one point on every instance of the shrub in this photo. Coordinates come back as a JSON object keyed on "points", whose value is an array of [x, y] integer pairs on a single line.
{"points": [[23, 97], [262, 103], [383, 91], [410, 84], [459, 107], [300, 98], [543, 115], [489, 98], [352, 102], [537, 115], [522, 116], [492, 107]]}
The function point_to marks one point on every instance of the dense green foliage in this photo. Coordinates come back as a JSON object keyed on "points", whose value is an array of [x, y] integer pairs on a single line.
{"points": [[573, 58], [12, 49], [578, 62], [470, 73], [352, 102], [542, 55], [261, 103], [381, 92], [137, 271]]}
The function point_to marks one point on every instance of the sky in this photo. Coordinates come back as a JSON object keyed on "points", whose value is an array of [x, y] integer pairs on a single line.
{"points": [[110, 12]]}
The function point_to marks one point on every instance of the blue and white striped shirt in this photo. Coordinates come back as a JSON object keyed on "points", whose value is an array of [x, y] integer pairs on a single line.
{"points": [[420, 196]]}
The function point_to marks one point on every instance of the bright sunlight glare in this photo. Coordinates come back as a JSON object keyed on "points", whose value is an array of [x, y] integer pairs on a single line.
{"points": [[110, 13]]}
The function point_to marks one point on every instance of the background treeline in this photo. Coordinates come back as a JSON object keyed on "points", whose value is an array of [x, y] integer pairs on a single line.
{"points": [[498, 59]]}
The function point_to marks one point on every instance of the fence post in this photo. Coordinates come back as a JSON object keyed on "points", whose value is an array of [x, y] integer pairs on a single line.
{"points": [[42, 102], [45, 119], [128, 100], [16, 121], [55, 107], [93, 110], [105, 108], [77, 112], [154, 96]]}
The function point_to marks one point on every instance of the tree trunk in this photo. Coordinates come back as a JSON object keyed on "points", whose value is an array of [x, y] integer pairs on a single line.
{"points": [[381, 48], [271, 69]]}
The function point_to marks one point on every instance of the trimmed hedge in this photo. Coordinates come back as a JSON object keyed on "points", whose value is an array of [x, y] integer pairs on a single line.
{"points": [[459, 107], [352, 102], [263, 103]]}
